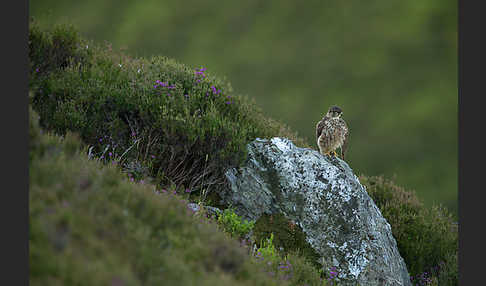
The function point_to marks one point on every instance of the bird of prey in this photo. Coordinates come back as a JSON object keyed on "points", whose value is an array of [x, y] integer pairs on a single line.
{"points": [[332, 132]]}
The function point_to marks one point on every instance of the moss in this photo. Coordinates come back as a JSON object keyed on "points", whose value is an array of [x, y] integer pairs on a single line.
{"points": [[287, 236]]}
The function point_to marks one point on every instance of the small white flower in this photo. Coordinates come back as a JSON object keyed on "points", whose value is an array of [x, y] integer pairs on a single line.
{"points": [[120, 65], [138, 70]]}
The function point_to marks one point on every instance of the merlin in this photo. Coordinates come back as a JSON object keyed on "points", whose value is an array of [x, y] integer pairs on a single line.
{"points": [[332, 132]]}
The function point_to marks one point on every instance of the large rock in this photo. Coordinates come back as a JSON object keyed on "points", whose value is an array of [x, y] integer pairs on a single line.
{"points": [[325, 198]]}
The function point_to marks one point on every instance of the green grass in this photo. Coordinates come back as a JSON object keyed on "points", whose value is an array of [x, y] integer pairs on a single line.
{"points": [[113, 136]]}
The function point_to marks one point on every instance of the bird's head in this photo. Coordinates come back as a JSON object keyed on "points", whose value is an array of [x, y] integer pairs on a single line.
{"points": [[334, 111]]}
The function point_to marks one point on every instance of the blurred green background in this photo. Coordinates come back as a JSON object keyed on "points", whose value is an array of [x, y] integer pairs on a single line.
{"points": [[390, 65]]}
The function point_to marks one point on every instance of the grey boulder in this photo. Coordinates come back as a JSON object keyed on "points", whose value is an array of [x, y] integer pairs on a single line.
{"points": [[324, 197]]}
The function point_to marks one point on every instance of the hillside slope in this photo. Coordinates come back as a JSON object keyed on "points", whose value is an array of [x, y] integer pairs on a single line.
{"points": [[391, 65], [167, 127]]}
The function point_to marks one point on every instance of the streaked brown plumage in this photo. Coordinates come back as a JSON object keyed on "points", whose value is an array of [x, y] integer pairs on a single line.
{"points": [[332, 132]]}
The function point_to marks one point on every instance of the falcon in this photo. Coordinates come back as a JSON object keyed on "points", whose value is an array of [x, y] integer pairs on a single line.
{"points": [[332, 132]]}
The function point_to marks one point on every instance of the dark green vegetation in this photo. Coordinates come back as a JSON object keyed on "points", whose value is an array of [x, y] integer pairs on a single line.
{"points": [[427, 238], [288, 236], [89, 224], [185, 125], [390, 64]]}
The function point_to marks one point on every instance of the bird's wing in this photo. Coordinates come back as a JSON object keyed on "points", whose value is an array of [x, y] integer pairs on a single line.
{"points": [[319, 127], [345, 143]]}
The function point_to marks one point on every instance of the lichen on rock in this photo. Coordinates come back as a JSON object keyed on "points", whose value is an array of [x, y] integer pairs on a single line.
{"points": [[325, 199]]}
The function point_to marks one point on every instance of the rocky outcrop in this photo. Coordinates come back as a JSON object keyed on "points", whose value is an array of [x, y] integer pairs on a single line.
{"points": [[325, 199]]}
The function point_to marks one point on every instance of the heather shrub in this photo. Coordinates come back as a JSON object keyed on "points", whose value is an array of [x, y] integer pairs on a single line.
{"points": [[427, 238], [187, 124], [89, 225], [54, 51]]}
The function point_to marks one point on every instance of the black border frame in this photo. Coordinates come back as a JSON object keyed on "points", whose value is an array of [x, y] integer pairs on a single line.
{"points": [[14, 212]]}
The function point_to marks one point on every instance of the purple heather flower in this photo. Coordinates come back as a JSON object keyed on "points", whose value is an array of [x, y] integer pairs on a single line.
{"points": [[228, 102], [198, 80], [174, 193], [188, 191], [37, 70], [131, 179], [111, 154], [153, 156], [186, 95]]}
